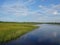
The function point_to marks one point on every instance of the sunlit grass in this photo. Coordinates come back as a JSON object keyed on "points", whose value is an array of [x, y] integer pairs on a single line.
{"points": [[11, 31]]}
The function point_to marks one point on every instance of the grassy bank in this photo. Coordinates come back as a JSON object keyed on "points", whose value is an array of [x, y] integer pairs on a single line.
{"points": [[11, 31]]}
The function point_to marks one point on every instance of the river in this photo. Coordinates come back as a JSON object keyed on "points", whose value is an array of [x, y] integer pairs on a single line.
{"points": [[46, 34]]}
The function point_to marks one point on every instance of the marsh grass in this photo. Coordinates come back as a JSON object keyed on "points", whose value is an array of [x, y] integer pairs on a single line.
{"points": [[11, 31]]}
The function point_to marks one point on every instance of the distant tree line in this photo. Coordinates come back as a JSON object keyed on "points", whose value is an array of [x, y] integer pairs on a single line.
{"points": [[32, 22]]}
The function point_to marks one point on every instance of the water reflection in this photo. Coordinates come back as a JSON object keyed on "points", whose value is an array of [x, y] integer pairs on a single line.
{"points": [[45, 35]]}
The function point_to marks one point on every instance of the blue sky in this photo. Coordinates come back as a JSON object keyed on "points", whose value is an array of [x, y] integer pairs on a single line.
{"points": [[30, 10]]}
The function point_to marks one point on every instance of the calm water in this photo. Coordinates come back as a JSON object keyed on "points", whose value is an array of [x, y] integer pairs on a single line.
{"points": [[47, 34]]}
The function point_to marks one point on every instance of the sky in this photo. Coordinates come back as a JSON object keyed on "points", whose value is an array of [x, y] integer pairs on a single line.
{"points": [[30, 10]]}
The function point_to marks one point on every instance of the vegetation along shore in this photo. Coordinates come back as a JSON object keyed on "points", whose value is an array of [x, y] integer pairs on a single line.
{"points": [[10, 30]]}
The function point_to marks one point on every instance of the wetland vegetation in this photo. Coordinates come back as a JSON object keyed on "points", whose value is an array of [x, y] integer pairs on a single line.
{"points": [[12, 30]]}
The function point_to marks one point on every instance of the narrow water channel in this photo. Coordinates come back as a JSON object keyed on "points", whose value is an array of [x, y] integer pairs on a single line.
{"points": [[47, 34]]}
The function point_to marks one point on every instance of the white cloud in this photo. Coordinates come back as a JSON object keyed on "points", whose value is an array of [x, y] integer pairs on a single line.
{"points": [[17, 8], [14, 9], [40, 6], [21, 9], [52, 10], [48, 12], [55, 13]]}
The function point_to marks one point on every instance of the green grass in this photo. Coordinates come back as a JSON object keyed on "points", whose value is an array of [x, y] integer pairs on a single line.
{"points": [[11, 31]]}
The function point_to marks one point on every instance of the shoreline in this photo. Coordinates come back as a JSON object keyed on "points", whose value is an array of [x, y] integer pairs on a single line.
{"points": [[8, 35]]}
